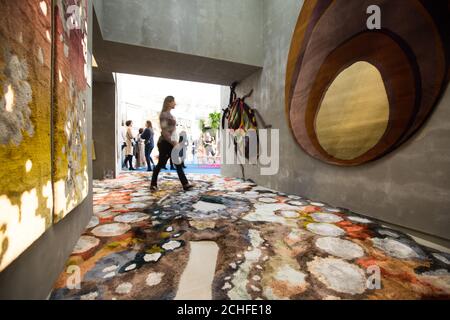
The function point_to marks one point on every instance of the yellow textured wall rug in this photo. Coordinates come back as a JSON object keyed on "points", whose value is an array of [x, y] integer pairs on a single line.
{"points": [[25, 147], [70, 106], [361, 78]]}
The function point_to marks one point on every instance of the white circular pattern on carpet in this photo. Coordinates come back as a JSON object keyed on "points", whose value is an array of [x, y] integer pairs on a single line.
{"points": [[338, 275], [136, 205], [105, 214], [171, 245], [101, 208], [111, 230], [359, 219], [85, 243], [132, 217], [316, 204], [93, 222], [325, 229], [204, 206], [325, 217], [297, 203], [340, 248], [394, 248], [154, 278], [124, 288], [267, 200], [289, 214]]}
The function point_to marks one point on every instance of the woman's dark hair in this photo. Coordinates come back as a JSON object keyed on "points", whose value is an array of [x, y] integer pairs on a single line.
{"points": [[141, 130], [149, 124], [128, 123]]}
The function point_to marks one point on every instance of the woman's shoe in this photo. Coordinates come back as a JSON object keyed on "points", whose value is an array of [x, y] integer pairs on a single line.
{"points": [[188, 187], [132, 169]]}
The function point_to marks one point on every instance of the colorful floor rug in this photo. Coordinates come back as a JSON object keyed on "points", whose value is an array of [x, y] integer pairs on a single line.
{"points": [[243, 242]]}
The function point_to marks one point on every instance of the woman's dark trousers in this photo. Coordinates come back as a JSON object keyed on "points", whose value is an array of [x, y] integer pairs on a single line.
{"points": [[148, 158], [165, 151], [129, 160]]}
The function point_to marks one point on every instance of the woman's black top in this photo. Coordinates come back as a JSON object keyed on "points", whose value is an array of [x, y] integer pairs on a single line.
{"points": [[147, 135]]}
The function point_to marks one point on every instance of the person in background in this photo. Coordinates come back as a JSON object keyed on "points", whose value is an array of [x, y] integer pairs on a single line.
{"points": [[123, 143], [139, 150], [181, 155], [214, 149], [193, 151], [209, 141], [129, 146], [166, 143], [148, 135]]}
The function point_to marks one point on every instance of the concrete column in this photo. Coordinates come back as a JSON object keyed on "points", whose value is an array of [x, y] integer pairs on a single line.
{"points": [[104, 129]]}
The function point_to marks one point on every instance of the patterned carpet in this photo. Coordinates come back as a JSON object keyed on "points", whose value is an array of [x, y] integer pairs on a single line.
{"points": [[270, 246]]}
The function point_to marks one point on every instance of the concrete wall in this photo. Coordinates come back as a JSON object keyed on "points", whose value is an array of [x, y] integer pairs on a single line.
{"points": [[33, 273], [104, 129], [98, 8], [226, 30], [409, 187]]}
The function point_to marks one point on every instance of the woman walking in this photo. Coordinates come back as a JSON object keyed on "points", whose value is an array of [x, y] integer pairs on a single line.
{"points": [[166, 143], [147, 135], [129, 145]]}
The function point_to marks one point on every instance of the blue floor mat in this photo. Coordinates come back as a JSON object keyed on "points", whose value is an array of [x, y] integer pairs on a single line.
{"points": [[191, 169]]}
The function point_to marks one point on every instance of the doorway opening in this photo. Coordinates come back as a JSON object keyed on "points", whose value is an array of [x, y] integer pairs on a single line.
{"points": [[198, 114]]}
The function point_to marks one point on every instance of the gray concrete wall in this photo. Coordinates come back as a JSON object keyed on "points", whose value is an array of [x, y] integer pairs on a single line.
{"points": [[225, 30], [409, 187], [98, 7], [33, 273], [104, 130]]}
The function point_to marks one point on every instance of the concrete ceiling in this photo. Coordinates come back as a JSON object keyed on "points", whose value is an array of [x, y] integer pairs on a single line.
{"points": [[125, 58]]}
